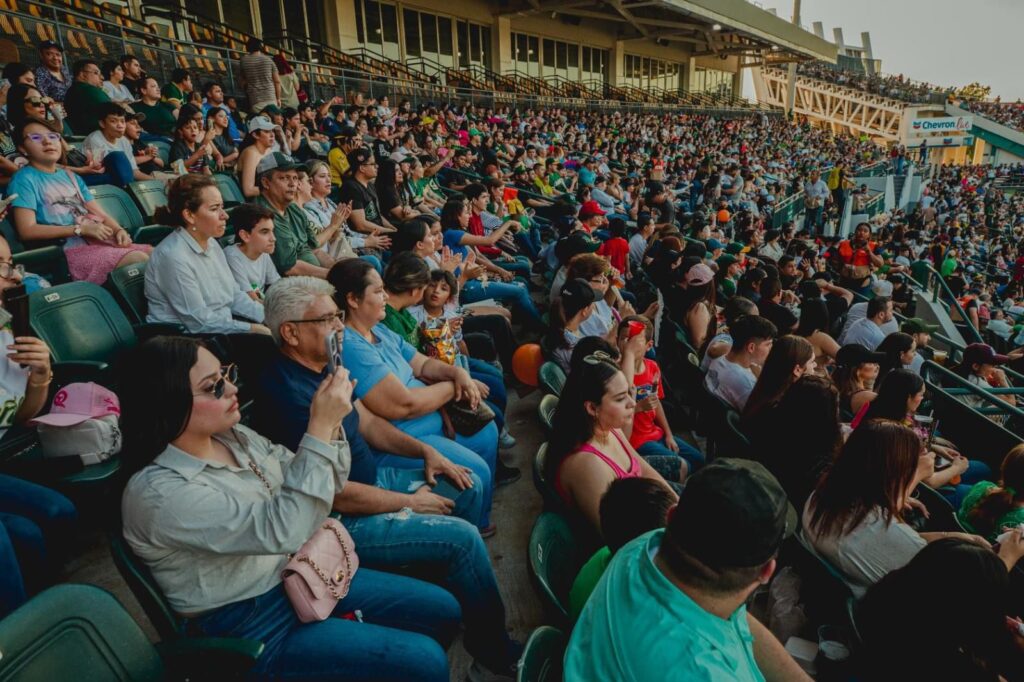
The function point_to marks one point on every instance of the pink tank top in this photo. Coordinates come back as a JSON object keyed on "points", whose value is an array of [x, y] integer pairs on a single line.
{"points": [[634, 466]]}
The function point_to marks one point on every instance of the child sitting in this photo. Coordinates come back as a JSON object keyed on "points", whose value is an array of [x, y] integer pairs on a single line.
{"points": [[616, 249], [651, 434], [187, 148], [249, 257]]}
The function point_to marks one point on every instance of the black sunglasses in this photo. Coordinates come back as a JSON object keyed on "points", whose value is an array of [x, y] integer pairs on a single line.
{"points": [[227, 373]]}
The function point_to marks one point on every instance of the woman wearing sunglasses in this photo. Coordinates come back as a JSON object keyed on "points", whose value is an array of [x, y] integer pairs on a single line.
{"points": [[588, 449], [188, 280], [214, 510]]}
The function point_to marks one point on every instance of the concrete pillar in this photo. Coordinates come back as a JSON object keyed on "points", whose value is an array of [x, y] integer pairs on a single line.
{"points": [[869, 56], [617, 67], [791, 80], [819, 29], [332, 23], [689, 75], [346, 24], [501, 45], [837, 34], [737, 83]]}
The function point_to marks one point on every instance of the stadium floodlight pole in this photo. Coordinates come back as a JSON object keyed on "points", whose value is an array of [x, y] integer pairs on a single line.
{"points": [[791, 81]]}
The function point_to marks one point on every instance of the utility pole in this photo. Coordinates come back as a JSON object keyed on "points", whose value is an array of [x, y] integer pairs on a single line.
{"points": [[791, 81]]}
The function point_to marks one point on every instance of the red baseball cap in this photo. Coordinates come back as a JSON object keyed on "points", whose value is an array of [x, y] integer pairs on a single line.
{"points": [[589, 209]]}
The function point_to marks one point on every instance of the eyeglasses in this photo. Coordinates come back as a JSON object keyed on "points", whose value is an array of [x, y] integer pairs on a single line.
{"points": [[8, 269], [39, 137], [326, 319], [37, 101], [227, 373]]}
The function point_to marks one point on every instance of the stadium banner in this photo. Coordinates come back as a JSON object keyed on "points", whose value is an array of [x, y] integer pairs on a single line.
{"points": [[942, 124]]}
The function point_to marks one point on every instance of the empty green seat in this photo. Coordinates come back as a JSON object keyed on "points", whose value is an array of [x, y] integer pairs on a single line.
{"points": [[542, 656], [153, 234], [546, 411], [75, 632], [552, 378], [149, 195], [81, 632], [230, 192], [119, 206], [128, 285], [555, 560], [545, 487], [80, 322]]}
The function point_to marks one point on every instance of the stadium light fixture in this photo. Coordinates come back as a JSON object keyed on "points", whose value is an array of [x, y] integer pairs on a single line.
{"points": [[716, 27]]}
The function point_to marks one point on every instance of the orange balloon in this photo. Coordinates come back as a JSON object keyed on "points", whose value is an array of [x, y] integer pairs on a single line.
{"points": [[526, 362]]}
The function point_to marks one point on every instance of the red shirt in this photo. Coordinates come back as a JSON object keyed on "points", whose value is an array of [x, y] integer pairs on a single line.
{"points": [[476, 227], [617, 251], [647, 382]]}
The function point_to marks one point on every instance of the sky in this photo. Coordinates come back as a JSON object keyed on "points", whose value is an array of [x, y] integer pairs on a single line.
{"points": [[936, 41]]}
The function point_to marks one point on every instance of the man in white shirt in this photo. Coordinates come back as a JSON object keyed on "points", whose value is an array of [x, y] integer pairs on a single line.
{"points": [[730, 376], [815, 194], [109, 146], [858, 311], [868, 332]]}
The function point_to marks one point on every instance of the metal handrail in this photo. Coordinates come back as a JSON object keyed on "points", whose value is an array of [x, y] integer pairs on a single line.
{"points": [[943, 288], [929, 367]]}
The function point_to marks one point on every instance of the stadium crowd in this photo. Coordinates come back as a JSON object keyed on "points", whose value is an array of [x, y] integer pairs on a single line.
{"points": [[387, 269], [897, 87], [1010, 114]]}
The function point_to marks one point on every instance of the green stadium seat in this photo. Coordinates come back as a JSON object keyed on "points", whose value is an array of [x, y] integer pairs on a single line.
{"points": [[75, 632], [47, 261], [81, 632], [542, 656], [128, 285], [229, 189], [545, 487], [546, 411], [149, 195], [552, 378], [152, 234], [81, 323], [119, 206], [555, 560]]}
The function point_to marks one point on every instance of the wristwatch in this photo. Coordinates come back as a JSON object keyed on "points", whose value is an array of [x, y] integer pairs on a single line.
{"points": [[78, 230]]}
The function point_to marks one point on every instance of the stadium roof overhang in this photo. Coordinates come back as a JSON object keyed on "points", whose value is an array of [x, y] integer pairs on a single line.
{"points": [[711, 27]]}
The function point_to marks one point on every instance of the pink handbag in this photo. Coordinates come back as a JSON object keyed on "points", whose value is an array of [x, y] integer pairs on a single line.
{"points": [[319, 575]]}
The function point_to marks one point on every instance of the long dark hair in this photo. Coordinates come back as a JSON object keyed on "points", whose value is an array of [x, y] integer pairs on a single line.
{"points": [[959, 633], [894, 345], [155, 391], [16, 97], [450, 214], [893, 394], [572, 425], [409, 234], [1001, 500], [813, 318], [872, 472], [776, 377]]}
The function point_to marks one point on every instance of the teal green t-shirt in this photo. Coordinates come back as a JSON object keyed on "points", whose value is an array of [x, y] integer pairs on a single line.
{"points": [[1012, 518], [637, 625], [586, 581]]}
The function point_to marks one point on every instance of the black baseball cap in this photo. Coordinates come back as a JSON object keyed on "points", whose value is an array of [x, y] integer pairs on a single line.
{"points": [[732, 514], [853, 354], [983, 354], [573, 245], [654, 187], [576, 295], [47, 44], [276, 161]]}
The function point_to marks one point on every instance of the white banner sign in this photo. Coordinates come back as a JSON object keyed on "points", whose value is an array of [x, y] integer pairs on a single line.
{"points": [[944, 124]]}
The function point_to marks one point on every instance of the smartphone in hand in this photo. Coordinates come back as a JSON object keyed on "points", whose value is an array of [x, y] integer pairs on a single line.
{"points": [[333, 353], [15, 301]]}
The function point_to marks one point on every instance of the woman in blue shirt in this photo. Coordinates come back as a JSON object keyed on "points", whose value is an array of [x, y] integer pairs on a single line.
{"points": [[392, 377]]}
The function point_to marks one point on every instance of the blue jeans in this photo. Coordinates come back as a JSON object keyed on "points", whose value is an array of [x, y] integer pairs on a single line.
{"points": [[34, 521], [528, 240], [520, 267], [514, 293], [812, 219], [117, 170], [976, 472], [407, 624], [426, 541], [468, 502], [656, 448], [479, 452]]}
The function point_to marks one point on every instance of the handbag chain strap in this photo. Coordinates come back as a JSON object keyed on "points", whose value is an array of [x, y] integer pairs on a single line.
{"points": [[320, 572], [305, 559]]}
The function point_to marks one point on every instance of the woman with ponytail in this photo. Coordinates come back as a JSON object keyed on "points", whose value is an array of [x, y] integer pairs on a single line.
{"points": [[989, 507]]}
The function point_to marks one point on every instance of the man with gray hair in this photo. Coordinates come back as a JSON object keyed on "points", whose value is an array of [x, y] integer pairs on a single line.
{"points": [[423, 515]]}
